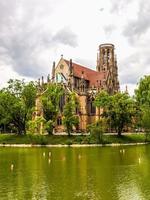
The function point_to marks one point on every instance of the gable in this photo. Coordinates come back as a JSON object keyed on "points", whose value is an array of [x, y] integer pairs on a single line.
{"points": [[62, 69]]}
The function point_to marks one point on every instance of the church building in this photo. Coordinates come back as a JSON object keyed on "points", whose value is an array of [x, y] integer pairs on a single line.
{"points": [[86, 82]]}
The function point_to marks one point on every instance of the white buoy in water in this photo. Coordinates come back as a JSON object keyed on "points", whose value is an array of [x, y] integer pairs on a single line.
{"points": [[120, 150], [43, 154], [11, 167], [79, 156], [49, 160], [123, 150], [139, 160], [49, 154]]}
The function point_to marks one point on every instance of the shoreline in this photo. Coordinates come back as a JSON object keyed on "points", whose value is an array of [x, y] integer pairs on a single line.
{"points": [[74, 145]]}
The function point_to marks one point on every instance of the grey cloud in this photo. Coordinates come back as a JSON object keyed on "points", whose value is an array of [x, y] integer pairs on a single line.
{"points": [[25, 35], [134, 67], [118, 6], [109, 29], [138, 27], [101, 9], [66, 36]]}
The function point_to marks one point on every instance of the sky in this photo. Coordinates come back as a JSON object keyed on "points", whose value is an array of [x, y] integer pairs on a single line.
{"points": [[34, 33]]}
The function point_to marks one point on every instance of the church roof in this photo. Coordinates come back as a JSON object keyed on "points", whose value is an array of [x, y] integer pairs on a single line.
{"points": [[88, 74]]}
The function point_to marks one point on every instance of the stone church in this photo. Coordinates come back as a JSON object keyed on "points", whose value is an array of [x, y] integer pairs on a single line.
{"points": [[86, 82]]}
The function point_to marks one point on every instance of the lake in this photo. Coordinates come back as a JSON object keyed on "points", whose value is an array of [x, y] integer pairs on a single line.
{"points": [[86, 173]]}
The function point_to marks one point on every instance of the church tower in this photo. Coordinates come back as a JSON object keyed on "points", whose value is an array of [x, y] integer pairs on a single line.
{"points": [[105, 57], [107, 63]]}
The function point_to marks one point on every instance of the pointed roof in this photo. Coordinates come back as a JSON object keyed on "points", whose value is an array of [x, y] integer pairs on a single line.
{"points": [[91, 75]]}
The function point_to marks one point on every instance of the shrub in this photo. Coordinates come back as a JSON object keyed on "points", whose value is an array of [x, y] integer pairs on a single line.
{"points": [[69, 142], [37, 139], [49, 127], [79, 139], [97, 130], [36, 126]]}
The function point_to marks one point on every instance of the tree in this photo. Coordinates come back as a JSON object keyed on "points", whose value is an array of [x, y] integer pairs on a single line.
{"points": [[6, 103], [70, 118], [98, 129], [142, 96], [119, 109], [145, 122], [50, 103], [17, 102]]}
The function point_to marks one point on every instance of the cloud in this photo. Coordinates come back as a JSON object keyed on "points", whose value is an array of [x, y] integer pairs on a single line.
{"points": [[26, 38], [118, 6], [109, 29], [101, 9], [66, 37], [134, 67], [139, 26]]}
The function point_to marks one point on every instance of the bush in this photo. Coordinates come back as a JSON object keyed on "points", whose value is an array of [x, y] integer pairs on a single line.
{"points": [[69, 142], [37, 126], [79, 139], [37, 139], [90, 139], [49, 127], [97, 130]]}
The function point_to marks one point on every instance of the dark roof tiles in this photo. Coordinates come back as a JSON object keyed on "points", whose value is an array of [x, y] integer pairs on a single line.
{"points": [[88, 74]]}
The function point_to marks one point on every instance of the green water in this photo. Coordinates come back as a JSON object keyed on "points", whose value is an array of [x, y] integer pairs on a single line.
{"points": [[75, 173]]}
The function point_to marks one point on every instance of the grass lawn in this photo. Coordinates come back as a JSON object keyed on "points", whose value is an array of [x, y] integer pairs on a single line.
{"points": [[57, 139]]}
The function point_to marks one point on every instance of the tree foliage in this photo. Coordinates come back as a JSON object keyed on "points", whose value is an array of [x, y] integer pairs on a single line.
{"points": [[70, 118], [142, 96], [119, 109], [16, 104], [50, 102], [97, 129]]}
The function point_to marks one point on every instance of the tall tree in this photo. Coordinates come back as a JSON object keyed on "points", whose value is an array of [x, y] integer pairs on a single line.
{"points": [[145, 120], [51, 104], [119, 109], [70, 118], [16, 103], [142, 96]]}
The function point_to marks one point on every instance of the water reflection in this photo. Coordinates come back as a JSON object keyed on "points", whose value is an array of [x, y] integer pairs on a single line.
{"points": [[75, 173]]}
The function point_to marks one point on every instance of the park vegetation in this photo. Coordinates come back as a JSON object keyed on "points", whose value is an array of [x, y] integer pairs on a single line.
{"points": [[121, 112]]}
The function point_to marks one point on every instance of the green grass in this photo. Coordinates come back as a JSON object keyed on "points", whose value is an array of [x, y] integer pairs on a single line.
{"points": [[53, 139]]}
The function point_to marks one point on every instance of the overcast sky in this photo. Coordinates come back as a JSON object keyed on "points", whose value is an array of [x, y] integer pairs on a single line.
{"points": [[34, 33]]}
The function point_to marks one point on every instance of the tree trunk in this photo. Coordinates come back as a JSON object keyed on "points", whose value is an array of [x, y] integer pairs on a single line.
{"points": [[119, 131]]}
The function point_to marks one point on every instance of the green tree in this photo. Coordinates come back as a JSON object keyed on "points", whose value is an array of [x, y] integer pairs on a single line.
{"points": [[50, 102], [98, 129], [16, 104], [145, 122], [119, 109], [142, 94], [70, 119], [6, 102]]}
